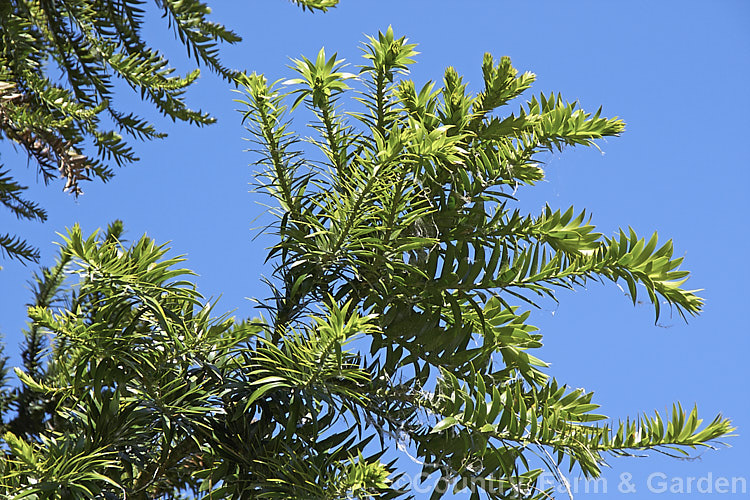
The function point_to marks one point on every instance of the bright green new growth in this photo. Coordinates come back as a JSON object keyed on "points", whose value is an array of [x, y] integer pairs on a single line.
{"points": [[397, 315], [409, 218]]}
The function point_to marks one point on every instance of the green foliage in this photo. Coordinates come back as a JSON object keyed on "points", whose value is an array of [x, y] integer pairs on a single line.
{"points": [[409, 218], [315, 5], [145, 393], [398, 316], [10, 197], [68, 125]]}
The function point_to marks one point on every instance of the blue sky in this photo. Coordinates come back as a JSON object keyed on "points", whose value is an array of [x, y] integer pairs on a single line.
{"points": [[675, 72]]}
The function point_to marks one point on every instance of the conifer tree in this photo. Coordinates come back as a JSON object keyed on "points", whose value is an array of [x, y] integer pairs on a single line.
{"points": [[399, 314], [69, 125]]}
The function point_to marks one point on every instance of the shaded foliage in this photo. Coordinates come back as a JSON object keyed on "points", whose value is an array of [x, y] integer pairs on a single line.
{"points": [[59, 65]]}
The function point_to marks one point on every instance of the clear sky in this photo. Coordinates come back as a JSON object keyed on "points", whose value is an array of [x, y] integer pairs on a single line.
{"points": [[675, 72]]}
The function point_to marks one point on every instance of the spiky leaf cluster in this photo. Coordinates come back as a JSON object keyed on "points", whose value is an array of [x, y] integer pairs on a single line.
{"points": [[398, 322], [407, 215], [60, 64], [144, 393]]}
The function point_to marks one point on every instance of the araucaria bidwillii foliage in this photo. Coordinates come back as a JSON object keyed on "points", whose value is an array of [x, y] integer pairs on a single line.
{"points": [[398, 316]]}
